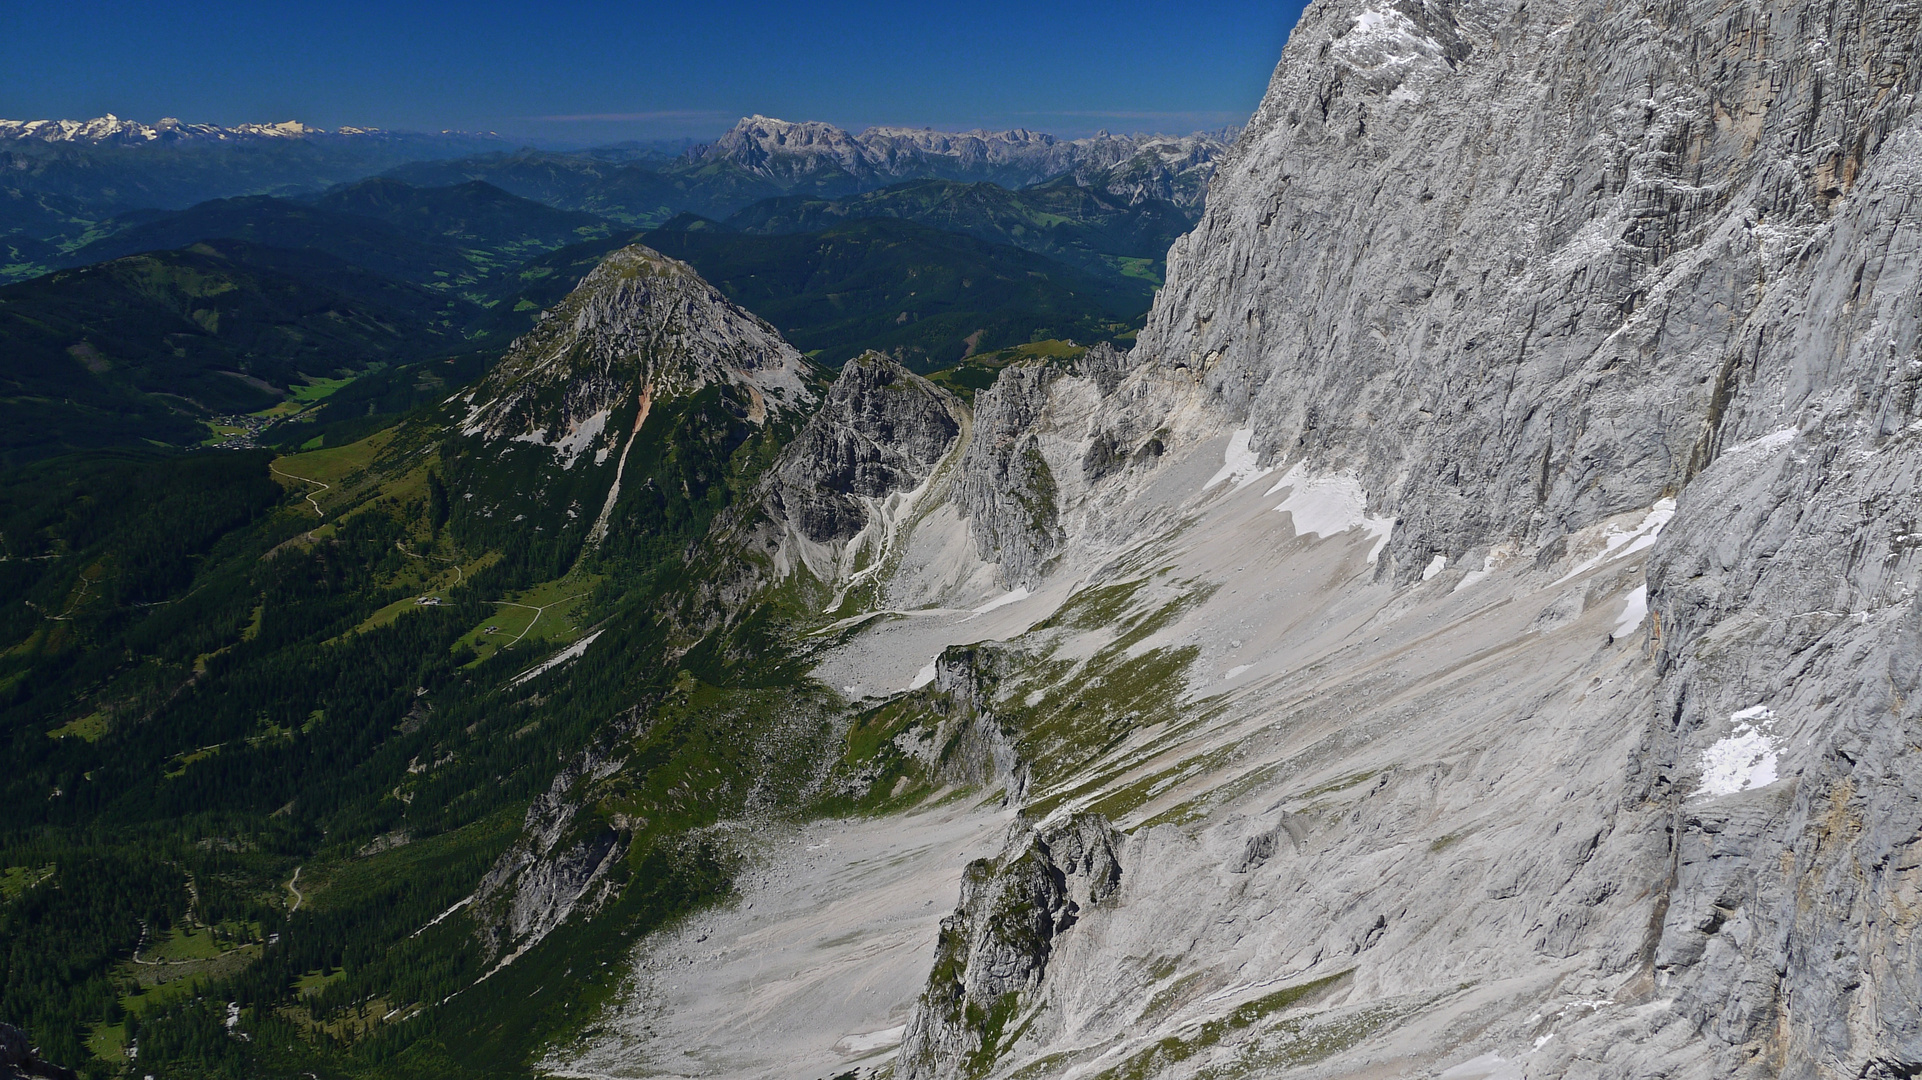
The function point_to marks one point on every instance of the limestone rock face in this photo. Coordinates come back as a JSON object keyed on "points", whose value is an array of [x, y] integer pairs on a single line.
{"points": [[558, 864], [842, 492], [1616, 305], [1519, 269], [1007, 490], [995, 947], [881, 430]]}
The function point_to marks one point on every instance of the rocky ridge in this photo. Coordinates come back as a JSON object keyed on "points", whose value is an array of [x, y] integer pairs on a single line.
{"points": [[1477, 620], [1606, 297], [843, 489], [111, 130], [1171, 168], [638, 321]]}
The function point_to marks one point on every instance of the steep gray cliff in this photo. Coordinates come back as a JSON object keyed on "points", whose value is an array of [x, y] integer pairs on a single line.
{"points": [[843, 490], [1481, 609], [881, 430], [1521, 268], [1519, 291], [1006, 490]]}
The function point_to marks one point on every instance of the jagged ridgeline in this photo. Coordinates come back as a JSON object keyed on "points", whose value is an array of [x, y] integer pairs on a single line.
{"points": [[1472, 635], [356, 752]]}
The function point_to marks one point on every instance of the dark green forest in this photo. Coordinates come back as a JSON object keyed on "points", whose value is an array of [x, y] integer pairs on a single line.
{"points": [[269, 680], [198, 708]]}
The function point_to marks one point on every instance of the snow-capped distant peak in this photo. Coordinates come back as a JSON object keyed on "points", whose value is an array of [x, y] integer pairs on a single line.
{"points": [[112, 130]]}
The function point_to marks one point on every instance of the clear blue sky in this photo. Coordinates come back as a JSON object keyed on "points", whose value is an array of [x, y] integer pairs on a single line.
{"points": [[588, 71]]}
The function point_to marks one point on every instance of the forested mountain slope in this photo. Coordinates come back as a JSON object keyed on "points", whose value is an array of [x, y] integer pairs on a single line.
{"points": [[1471, 635]]}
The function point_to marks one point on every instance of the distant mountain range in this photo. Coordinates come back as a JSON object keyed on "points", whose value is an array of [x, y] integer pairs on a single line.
{"points": [[203, 271], [110, 130], [1175, 169], [61, 181]]}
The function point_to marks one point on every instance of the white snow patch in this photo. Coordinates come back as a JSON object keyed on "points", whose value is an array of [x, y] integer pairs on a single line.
{"points": [[1382, 38], [1013, 597], [1329, 506], [1488, 567], [1745, 759], [1435, 566], [1239, 463], [572, 652], [1633, 613], [855, 1045], [1619, 543], [1235, 671], [923, 677]]}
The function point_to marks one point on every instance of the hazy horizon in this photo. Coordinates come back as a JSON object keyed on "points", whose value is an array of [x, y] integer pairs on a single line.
{"points": [[590, 73]]}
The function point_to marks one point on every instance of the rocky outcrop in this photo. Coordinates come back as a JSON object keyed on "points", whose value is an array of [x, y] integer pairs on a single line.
{"points": [[560, 863], [995, 948], [845, 490], [18, 1061], [1006, 489], [881, 430], [969, 746]]}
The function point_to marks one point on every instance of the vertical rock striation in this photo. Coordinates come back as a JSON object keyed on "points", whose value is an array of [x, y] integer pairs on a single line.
{"points": [[1512, 272]]}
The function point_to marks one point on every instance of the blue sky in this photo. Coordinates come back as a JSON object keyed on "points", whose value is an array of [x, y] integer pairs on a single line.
{"points": [[587, 71]]}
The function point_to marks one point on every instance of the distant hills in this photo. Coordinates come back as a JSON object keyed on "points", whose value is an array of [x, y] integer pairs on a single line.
{"points": [[62, 181], [60, 178], [444, 238], [926, 296], [761, 158], [1086, 227], [141, 349], [322, 258]]}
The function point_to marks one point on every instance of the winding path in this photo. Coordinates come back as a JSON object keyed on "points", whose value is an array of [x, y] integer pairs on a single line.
{"points": [[292, 887], [536, 610], [310, 498]]}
